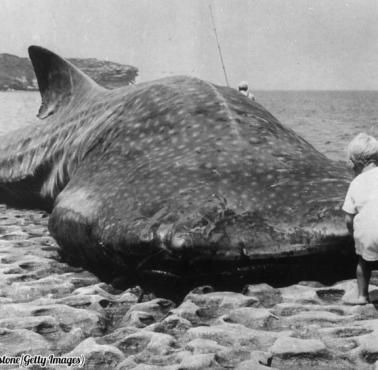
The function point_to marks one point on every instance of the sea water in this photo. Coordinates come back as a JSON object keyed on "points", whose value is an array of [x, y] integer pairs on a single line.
{"points": [[326, 119], [18, 109]]}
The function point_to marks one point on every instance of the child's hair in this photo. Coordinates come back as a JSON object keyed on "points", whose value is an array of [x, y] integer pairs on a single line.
{"points": [[363, 149]]}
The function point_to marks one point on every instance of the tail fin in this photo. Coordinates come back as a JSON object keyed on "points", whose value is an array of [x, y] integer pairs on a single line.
{"points": [[59, 81]]}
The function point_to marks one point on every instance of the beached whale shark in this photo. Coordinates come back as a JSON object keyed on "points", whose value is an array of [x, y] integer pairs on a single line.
{"points": [[176, 177]]}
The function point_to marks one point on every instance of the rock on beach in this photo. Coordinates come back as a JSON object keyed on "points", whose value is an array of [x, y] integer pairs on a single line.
{"points": [[48, 307]]}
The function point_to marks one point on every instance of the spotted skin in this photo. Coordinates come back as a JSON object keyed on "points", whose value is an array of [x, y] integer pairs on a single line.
{"points": [[176, 176]]}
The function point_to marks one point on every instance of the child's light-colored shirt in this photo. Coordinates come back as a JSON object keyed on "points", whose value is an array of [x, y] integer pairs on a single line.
{"points": [[362, 201]]}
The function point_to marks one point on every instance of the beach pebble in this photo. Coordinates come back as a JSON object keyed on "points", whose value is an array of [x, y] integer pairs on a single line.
{"points": [[173, 325], [199, 346], [369, 347], [97, 356], [254, 318], [264, 294], [19, 341], [259, 360], [188, 310], [198, 362], [295, 346], [144, 313], [155, 343], [216, 303], [300, 294]]}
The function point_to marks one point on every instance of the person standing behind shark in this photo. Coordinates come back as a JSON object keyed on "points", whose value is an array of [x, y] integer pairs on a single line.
{"points": [[243, 89], [361, 208]]}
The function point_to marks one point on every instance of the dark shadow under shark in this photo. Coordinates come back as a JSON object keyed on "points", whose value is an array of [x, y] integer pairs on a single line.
{"points": [[175, 178]]}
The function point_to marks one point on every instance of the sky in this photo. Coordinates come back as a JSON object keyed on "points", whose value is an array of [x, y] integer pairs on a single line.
{"points": [[272, 44]]}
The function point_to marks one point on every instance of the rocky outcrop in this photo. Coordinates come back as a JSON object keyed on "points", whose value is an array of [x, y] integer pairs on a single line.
{"points": [[17, 73], [48, 308]]}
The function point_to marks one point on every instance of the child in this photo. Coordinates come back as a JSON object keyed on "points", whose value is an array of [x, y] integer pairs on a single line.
{"points": [[243, 88], [361, 207]]}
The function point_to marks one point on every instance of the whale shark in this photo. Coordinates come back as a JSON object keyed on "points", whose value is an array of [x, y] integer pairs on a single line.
{"points": [[177, 177]]}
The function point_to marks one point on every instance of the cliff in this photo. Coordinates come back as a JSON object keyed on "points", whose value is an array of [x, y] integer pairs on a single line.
{"points": [[17, 73]]}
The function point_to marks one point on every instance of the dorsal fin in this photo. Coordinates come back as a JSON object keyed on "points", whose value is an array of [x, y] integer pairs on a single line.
{"points": [[59, 81]]}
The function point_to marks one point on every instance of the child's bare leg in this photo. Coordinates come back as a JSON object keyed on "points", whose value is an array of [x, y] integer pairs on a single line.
{"points": [[363, 274]]}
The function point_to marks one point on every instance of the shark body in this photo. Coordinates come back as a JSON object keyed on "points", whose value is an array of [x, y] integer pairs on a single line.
{"points": [[176, 176]]}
